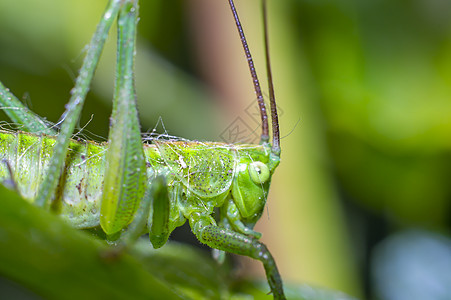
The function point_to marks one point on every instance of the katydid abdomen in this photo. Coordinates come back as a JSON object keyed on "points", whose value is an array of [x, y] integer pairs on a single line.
{"points": [[77, 198]]}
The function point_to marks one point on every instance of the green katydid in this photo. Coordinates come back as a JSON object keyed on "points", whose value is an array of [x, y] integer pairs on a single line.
{"points": [[126, 184]]}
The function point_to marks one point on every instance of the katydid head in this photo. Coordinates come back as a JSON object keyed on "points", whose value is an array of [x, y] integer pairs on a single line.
{"points": [[249, 190], [250, 186]]}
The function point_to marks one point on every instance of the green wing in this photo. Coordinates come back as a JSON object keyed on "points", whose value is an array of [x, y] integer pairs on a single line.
{"points": [[206, 169]]}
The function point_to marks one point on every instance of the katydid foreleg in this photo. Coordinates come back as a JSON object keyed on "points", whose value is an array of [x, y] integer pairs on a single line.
{"points": [[233, 242], [233, 216]]}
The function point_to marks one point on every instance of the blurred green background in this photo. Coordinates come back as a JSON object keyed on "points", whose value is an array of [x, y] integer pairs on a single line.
{"points": [[364, 90]]}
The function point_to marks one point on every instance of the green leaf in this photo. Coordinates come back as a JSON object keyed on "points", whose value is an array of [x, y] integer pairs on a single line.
{"points": [[41, 252]]}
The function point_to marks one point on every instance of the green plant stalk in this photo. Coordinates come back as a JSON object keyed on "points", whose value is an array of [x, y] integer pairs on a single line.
{"points": [[43, 253]]}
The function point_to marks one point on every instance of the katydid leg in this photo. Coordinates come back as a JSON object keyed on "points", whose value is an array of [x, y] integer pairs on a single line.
{"points": [[234, 217], [73, 109], [154, 209], [237, 243], [159, 218], [220, 255], [135, 230], [125, 169], [138, 226]]}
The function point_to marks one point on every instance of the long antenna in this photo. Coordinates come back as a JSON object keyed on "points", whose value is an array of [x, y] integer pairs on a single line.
{"points": [[265, 134], [272, 98]]}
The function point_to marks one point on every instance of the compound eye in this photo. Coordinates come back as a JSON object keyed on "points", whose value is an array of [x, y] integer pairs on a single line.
{"points": [[259, 172]]}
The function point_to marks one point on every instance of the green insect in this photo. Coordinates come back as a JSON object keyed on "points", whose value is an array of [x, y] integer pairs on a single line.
{"points": [[158, 185]]}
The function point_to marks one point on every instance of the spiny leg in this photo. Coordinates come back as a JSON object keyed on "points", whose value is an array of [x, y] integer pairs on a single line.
{"points": [[220, 255], [237, 243]]}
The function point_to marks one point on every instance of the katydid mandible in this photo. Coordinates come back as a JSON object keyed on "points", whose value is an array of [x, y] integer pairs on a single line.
{"points": [[125, 184]]}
